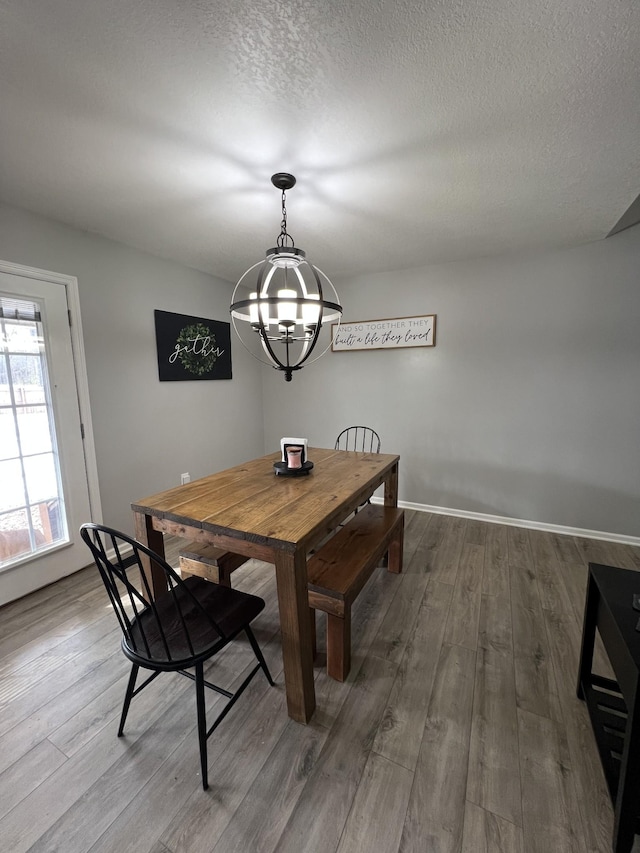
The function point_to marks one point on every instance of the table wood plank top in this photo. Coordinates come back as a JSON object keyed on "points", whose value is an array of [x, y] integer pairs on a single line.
{"points": [[249, 501]]}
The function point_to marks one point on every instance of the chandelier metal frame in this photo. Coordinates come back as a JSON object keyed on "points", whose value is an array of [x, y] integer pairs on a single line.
{"points": [[289, 323]]}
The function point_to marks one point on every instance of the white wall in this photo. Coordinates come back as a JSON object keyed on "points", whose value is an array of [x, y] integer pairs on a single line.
{"points": [[529, 405], [146, 432]]}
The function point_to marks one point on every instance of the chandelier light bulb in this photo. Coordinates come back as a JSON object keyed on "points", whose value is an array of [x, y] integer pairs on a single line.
{"points": [[253, 309], [311, 311], [287, 311]]}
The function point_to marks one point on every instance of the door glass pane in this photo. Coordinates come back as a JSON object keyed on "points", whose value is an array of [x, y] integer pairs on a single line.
{"points": [[22, 336], [26, 378], [31, 500], [14, 536], [47, 520], [5, 394], [11, 485], [8, 437], [33, 424], [40, 474]]}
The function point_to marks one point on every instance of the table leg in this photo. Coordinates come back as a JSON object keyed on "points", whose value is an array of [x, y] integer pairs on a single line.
{"points": [[391, 487], [293, 600], [153, 539], [391, 499], [396, 550]]}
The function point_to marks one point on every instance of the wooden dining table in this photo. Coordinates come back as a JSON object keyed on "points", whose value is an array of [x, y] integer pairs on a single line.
{"points": [[250, 510]]}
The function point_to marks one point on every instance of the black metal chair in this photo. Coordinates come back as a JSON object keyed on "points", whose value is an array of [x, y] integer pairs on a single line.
{"points": [[360, 438], [179, 630]]}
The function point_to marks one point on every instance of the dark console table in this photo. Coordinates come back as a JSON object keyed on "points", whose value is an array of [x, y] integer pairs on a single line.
{"points": [[614, 706]]}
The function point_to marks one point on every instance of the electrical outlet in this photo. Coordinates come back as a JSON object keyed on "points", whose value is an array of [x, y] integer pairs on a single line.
{"points": [[185, 478]]}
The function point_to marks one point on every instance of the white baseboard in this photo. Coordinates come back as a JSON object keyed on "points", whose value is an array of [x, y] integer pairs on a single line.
{"points": [[519, 522]]}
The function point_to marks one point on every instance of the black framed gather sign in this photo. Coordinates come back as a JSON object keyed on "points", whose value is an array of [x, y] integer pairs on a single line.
{"points": [[192, 348]]}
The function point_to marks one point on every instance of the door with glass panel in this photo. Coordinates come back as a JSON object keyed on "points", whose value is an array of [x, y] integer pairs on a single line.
{"points": [[44, 495]]}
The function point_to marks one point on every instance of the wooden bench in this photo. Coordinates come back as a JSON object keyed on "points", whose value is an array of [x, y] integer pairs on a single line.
{"points": [[206, 561], [341, 567]]}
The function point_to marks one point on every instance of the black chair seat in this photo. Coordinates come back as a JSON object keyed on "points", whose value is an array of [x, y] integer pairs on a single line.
{"points": [[228, 608]]}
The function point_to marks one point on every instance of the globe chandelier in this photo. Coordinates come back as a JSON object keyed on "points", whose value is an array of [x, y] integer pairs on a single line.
{"points": [[290, 301]]}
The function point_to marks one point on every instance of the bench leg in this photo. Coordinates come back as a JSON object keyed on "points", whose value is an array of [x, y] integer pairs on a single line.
{"points": [[395, 551], [339, 645], [314, 644]]}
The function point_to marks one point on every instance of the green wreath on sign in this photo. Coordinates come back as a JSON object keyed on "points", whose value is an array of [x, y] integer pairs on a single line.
{"points": [[197, 349]]}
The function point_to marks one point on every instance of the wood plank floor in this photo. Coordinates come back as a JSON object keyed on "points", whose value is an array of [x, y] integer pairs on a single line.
{"points": [[457, 731]]}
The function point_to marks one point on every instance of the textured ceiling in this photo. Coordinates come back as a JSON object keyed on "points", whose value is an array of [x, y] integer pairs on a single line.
{"points": [[420, 131]]}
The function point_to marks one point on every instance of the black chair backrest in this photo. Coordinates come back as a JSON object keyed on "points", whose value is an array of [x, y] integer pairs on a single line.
{"points": [[165, 630], [360, 438]]}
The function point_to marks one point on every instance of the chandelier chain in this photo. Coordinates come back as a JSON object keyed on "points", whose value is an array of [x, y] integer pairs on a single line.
{"points": [[284, 234]]}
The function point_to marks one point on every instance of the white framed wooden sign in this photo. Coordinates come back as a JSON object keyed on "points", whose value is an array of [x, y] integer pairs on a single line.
{"points": [[385, 334]]}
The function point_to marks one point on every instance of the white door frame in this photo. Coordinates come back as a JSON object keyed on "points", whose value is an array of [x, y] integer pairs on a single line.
{"points": [[70, 283]]}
